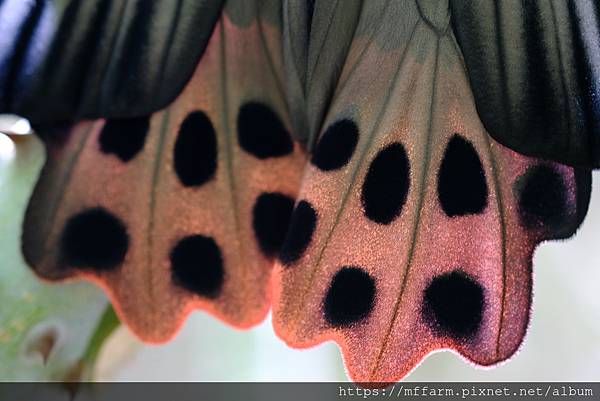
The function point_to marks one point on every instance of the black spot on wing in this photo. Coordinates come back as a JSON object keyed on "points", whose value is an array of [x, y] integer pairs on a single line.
{"points": [[542, 198], [94, 239], [197, 265], [462, 189], [453, 305], [350, 297], [195, 153], [270, 220], [261, 133], [386, 184], [300, 232], [124, 138], [335, 148]]}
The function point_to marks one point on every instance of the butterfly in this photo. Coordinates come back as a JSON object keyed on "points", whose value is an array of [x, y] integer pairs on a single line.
{"points": [[138, 204], [325, 159], [405, 166]]}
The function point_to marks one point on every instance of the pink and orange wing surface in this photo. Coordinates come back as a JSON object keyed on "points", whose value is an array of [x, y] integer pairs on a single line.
{"points": [[184, 209], [413, 230]]}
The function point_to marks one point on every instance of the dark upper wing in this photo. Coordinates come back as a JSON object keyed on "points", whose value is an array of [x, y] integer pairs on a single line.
{"points": [[66, 59], [316, 39], [535, 71]]}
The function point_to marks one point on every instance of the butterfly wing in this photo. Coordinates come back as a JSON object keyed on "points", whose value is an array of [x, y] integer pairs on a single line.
{"points": [[317, 36], [185, 208], [535, 72], [414, 231], [72, 59]]}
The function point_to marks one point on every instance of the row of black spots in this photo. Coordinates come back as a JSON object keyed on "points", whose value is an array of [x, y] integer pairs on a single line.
{"points": [[336, 146], [124, 138], [197, 265], [386, 184], [299, 234], [350, 297], [97, 239], [94, 239], [195, 151], [270, 220], [462, 187], [261, 132], [453, 305], [542, 198]]}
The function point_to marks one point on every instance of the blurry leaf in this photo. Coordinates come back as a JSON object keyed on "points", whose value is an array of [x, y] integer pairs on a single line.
{"points": [[108, 323]]}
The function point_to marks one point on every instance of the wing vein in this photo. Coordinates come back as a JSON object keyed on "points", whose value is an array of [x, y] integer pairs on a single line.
{"points": [[171, 39], [329, 25], [53, 206], [346, 194], [152, 201], [112, 59], [502, 221], [501, 215], [419, 209], [367, 45], [228, 143], [268, 56]]}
